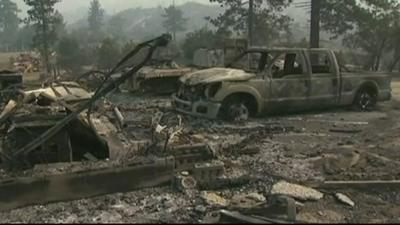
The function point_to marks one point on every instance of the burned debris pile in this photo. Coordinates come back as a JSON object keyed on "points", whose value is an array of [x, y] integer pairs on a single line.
{"points": [[37, 111]]}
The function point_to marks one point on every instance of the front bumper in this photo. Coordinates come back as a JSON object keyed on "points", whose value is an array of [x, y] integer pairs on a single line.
{"points": [[204, 109]]}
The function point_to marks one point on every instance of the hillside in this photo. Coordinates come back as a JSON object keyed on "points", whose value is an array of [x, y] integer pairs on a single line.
{"points": [[140, 23]]}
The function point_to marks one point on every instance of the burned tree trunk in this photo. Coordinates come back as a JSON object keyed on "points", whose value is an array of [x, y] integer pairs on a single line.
{"points": [[251, 22], [315, 23]]}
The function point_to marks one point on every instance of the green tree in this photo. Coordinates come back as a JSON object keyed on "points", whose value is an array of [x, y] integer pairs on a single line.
{"points": [[367, 25], [268, 20], [69, 55], [24, 38], [108, 54], [174, 21], [95, 19], [44, 18], [9, 22], [60, 24]]}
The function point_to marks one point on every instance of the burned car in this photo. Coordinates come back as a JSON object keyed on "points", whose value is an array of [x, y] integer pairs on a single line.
{"points": [[262, 81]]}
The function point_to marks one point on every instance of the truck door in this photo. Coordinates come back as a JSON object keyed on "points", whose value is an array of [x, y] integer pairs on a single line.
{"points": [[290, 82], [325, 82]]}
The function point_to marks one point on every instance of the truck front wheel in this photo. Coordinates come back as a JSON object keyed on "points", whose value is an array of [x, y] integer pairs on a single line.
{"points": [[365, 100], [237, 108]]}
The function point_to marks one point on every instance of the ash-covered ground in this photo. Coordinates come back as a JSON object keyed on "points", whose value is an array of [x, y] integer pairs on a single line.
{"points": [[338, 144]]}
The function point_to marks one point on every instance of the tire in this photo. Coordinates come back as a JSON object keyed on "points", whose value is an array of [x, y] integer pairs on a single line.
{"points": [[235, 109], [365, 100]]}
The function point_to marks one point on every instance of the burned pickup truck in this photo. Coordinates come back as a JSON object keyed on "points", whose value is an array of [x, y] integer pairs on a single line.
{"points": [[262, 81]]}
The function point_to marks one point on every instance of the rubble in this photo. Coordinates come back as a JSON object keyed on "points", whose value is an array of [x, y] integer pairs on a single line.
{"points": [[214, 199], [26, 63], [296, 191]]}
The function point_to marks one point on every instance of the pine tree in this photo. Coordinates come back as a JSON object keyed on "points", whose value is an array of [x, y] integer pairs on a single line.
{"points": [[243, 16], [69, 55], [174, 21], [108, 54], [95, 19], [45, 19]]}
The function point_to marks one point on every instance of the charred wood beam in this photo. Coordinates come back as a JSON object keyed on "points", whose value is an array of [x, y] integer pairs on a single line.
{"points": [[365, 185], [22, 192]]}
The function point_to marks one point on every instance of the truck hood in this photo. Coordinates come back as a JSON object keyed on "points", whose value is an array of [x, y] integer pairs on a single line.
{"points": [[215, 75]]}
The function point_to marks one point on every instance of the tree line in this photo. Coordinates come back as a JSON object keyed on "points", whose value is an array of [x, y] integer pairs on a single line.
{"points": [[368, 27]]}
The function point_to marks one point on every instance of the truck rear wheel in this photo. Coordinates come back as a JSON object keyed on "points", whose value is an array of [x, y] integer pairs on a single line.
{"points": [[365, 100]]}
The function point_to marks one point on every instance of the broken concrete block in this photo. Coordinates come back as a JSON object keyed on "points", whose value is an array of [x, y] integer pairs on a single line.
{"points": [[257, 197], [344, 199], [213, 199], [296, 191]]}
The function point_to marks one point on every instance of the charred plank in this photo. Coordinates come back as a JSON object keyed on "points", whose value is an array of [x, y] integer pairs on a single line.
{"points": [[22, 192]]}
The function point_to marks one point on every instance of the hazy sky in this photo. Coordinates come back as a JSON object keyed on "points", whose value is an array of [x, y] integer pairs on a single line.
{"points": [[69, 8], [74, 10], [119, 5]]}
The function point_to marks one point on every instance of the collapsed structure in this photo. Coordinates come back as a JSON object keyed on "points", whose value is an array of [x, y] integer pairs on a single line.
{"points": [[57, 124]]}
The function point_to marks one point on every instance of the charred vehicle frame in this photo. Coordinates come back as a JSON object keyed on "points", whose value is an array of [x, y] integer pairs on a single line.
{"points": [[262, 81]]}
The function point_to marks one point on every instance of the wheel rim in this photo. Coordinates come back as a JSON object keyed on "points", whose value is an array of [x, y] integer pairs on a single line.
{"points": [[239, 112], [366, 101]]}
